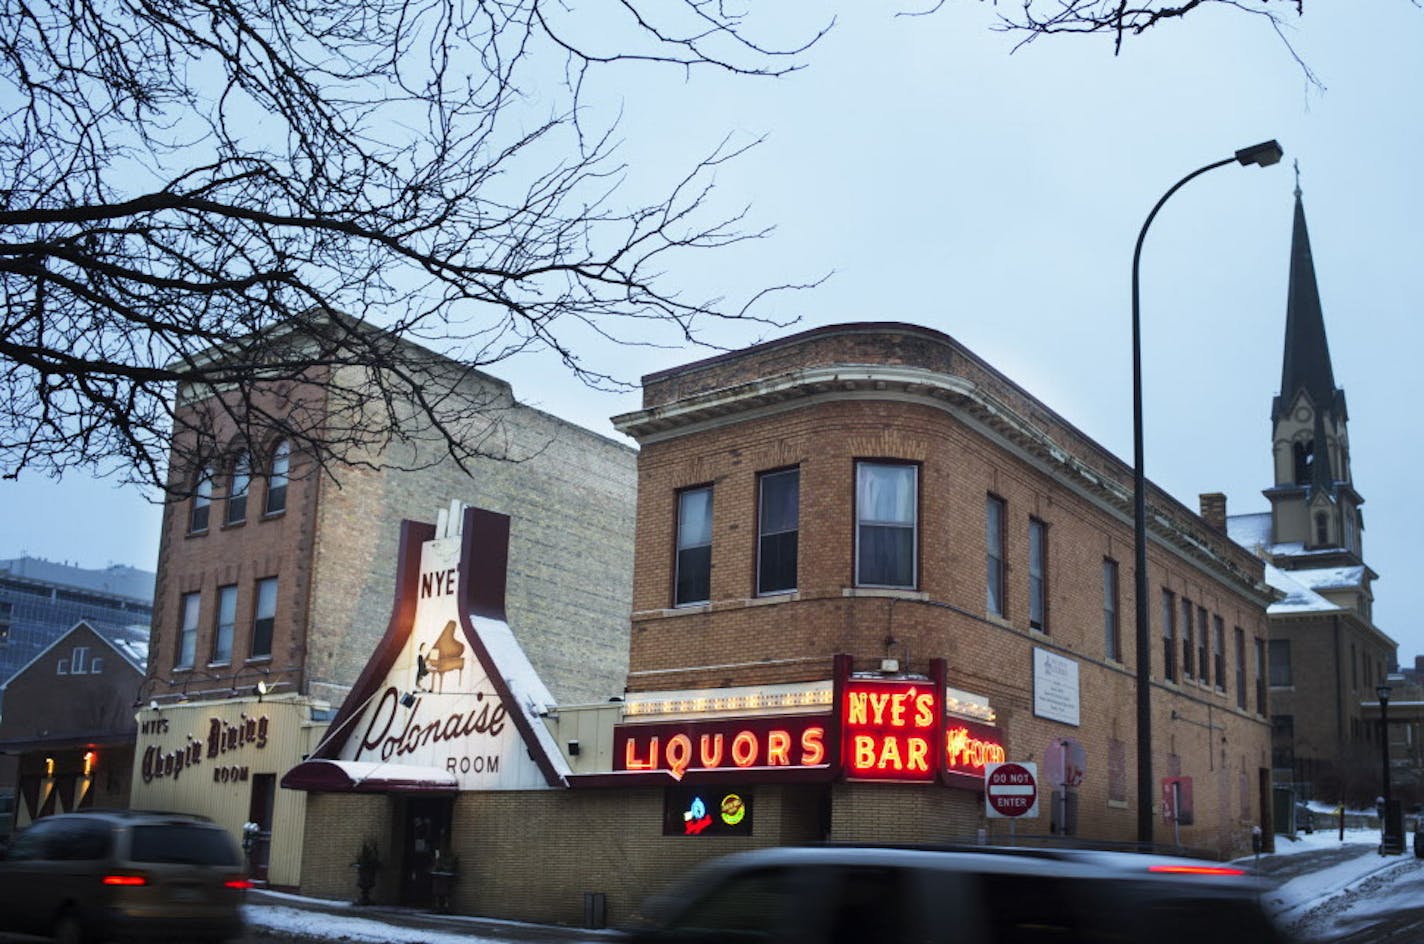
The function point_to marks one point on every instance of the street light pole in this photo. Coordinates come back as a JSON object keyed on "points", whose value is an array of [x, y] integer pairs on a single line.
{"points": [[1262, 155], [1387, 843]]}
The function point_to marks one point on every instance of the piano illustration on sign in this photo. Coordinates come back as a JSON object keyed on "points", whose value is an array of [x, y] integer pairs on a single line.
{"points": [[445, 655]]}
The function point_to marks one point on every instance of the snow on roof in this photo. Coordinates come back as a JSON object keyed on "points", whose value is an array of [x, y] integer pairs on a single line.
{"points": [[1252, 532], [130, 640], [1331, 578], [1299, 598]]}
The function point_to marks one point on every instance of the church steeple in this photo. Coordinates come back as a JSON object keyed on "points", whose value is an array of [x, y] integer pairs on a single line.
{"points": [[1306, 363]]}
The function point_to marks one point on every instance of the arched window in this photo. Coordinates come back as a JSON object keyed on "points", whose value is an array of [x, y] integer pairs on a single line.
{"points": [[202, 502], [277, 479], [237, 493], [1304, 452]]}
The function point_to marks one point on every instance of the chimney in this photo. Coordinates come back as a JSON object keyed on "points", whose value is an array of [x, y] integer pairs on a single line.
{"points": [[1213, 510]]}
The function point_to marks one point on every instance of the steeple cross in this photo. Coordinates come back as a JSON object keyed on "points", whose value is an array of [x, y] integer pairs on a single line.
{"points": [[1296, 162]]}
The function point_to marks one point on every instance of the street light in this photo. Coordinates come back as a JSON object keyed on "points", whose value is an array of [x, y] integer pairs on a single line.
{"points": [[1388, 840], [1261, 155]]}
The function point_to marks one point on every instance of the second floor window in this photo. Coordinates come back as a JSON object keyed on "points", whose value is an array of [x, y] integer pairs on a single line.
{"points": [[1218, 652], [1240, 668], [994, 553], [777, 531], [1260, 676], [1188, 666], [1037, 585], [276, 500], [1112, 625], [202, 502], [187, 630], [237, 492], [693, 582], [264, 617], [886, 498], [1169, 636], [1203, 647], [1280, 662], [227, 617]]}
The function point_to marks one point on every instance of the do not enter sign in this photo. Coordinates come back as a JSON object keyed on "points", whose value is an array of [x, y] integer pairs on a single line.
{"points": [[1011, 790]]}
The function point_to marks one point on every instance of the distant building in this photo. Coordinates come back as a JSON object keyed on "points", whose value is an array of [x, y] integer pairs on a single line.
{"points": [[41, 600], [1326, 655], [67, 722]]}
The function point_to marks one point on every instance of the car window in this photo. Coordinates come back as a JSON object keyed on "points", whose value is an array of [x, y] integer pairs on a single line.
{"points": [[182, 843], [1174, 919], [747, 907], [30, 843], [79, 840], [1036, 909], [868, 904]]}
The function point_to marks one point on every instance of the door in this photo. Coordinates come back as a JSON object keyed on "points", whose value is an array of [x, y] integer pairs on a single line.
{"points": [[427, 828], [259, 810]]}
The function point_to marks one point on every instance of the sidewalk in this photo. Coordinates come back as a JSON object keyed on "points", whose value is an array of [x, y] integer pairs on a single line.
{"points": [[271, 913]]}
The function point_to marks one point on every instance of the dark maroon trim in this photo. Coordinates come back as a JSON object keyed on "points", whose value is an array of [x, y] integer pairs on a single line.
{"points": [[484, 555], [325, 776], [413, 535], [841, 664]]}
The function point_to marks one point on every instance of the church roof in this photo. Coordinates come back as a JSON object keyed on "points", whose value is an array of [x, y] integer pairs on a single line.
{"points": [[1299, 597], [1306, 363]]}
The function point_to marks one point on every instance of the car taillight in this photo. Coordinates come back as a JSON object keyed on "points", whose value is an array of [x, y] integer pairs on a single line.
{"points": [[1196, 869], [238, 883], [126, 880]]}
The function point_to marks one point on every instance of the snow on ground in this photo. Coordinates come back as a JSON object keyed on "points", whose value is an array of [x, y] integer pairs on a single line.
{"points": [[310, 918]]}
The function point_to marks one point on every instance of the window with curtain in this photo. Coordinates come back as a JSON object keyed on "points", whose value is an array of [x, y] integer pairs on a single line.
{"points": [[264, 617], [187, 630], [1112, 624], [226, 617], [202, 502], [886, 499], [276, 500], [237, 492], [1037, 564], [994, 554], [693, 582], [778, 521]]}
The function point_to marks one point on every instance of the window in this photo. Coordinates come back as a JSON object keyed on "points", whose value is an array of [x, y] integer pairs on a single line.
{"points": [[1322, 529], [1112, 626], [61, 667], [1218, 652], [777, 522], [202, 502], [1037, 557], [693, 581], [237, 491], [994, 553], [276, 501], [1280, 662], [227, 616], [1241, 668], [79, 660], [1169, 636], [6, 609], [96, 665], [1260, 675], [1203, 647], [1188, 649], [188, 630], [264, 616], [886, 508], [1283, 742]]}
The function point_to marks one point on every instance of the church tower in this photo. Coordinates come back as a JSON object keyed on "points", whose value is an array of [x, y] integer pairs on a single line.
{"points": [[1315, 510]]}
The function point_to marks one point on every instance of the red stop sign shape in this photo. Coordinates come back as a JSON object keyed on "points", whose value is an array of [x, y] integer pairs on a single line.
{"points": [[1011, 789]]}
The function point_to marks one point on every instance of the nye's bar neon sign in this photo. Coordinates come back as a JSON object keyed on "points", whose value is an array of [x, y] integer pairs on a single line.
{"points": [[889, 728]]}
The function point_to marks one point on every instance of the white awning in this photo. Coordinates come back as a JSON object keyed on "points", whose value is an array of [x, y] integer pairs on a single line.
{"points": [[355, 776]]}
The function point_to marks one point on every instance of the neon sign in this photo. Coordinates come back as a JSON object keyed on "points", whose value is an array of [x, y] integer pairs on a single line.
{"points": [[688, 747], [707, 811], [889, 727], [969, 746]]}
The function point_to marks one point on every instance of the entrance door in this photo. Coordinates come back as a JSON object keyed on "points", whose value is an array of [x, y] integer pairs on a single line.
{"points": [[259, 811], [427, 828]]}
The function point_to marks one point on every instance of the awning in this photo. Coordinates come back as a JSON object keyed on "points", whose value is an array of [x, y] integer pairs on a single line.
{"points": [[356, 776]]}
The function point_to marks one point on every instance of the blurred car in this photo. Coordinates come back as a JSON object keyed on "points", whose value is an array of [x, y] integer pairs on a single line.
{"points": [[1304, 818], [862, 895], [97, 875]]}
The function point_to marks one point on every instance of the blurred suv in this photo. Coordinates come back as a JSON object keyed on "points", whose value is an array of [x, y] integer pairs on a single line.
{"points": [[856, 895], [98, 875]]}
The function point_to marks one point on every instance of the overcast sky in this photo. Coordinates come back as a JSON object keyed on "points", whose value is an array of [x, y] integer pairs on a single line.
{"points": [[996, 197]]}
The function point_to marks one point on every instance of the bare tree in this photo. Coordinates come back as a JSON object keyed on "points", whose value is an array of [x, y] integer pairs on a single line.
{"points": [[220, 196], [1121, 18]]}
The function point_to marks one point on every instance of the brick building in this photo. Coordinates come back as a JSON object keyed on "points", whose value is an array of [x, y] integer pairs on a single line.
{"points": [[1326, 654], [275, 583]]}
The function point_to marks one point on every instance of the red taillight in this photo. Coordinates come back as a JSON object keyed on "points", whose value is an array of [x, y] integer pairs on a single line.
{"points": [[1196, 869], [127, 880], [241, 884]]}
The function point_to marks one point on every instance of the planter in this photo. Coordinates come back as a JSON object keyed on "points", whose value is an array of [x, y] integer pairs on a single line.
{"points": [[442, 886]]}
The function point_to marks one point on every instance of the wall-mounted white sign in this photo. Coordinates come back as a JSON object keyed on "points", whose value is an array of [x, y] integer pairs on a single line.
{"points": [[1055, 687]]}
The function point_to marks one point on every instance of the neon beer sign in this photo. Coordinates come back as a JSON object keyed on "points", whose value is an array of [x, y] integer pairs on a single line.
{"points": [[891, 729]]}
